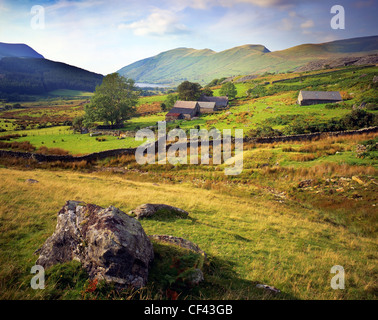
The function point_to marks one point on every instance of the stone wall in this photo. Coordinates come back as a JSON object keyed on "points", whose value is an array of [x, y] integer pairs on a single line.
{"points": [[118, 152], [68, 158], [310, 136], [115, 133]]}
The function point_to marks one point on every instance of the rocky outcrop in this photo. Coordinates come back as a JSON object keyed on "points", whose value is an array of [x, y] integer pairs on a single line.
{"points": [[149, 209], [339, 62], [109, 244], [305, 183]]}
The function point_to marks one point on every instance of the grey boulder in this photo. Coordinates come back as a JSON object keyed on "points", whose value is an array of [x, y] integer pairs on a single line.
{"points": [[110, 245], [149, 209]]}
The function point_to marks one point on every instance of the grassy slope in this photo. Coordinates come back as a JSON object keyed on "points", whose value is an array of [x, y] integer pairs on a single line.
{"points": [[280, 104], [77, 143], [246, 113], [248, 240]]}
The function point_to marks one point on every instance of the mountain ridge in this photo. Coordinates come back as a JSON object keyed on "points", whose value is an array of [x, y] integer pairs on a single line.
{"points": [[18, 50], [203, 65]]}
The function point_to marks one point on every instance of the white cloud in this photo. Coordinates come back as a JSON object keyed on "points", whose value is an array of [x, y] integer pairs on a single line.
{"points": [[158, 23], [64, 4], [307, 24], [287, 24], [205, 4]]}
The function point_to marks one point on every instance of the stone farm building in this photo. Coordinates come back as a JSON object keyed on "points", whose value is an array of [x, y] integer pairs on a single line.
{"points": [[306, 98], [220, 102], [183, 110], [207, 107]]}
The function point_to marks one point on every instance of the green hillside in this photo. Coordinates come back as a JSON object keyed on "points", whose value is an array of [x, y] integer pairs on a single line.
{"points": [[35, 76], [177, 65]]}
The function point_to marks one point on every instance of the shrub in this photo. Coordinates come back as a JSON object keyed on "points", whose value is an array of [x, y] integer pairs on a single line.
{"points": [[52, 151], [264, 131], [359, 119], [303, 157]]}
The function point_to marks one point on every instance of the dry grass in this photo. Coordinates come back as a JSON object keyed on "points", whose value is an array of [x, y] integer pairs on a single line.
{"points": [[258, 240]]}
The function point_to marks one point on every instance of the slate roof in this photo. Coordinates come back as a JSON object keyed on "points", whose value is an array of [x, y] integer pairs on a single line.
{"points": [[181, 111], [219, 101], [185, 104], [207, 105], [321, 95]]}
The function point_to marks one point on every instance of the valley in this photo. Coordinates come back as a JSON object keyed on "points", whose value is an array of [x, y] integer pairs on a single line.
{"points": [[297, 209]]}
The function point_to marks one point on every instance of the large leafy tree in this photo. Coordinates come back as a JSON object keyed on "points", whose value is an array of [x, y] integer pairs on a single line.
{"points": [[189, 91], [114, 101], [228, 89], [207, 91]]}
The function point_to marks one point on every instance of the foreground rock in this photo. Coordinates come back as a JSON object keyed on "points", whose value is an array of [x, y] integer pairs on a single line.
{"points": [[149, 209], [269, 289], [177, 241], [31, 181], [109, 244]]}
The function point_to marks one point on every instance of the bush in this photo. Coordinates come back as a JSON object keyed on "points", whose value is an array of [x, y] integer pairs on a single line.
{"points": [[20, 146], [264, 131], [359, 119], [340, 105], [371, 106], [52, 151]]}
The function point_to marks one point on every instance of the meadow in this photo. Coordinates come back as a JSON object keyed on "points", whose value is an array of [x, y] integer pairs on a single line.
{"points": [[249, 239], [296, 210]]}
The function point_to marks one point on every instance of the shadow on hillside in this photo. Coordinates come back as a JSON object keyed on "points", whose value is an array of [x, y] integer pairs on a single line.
{"points": [[220, 277], [220, 280]]}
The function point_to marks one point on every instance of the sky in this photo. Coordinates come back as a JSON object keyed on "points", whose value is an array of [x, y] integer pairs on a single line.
{"points": [[105, 35]]}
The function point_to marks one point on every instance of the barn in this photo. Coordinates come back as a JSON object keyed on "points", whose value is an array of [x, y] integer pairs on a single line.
{"points": [[306, 98], [183, 110], [220, 102], [207, 107]]}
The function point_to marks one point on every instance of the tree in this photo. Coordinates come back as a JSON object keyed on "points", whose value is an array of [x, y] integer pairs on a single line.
{"points": [[78, 124], [207, 92], [228, 89], [163, 107], [170, 101], [189, 91], [113, 101]]}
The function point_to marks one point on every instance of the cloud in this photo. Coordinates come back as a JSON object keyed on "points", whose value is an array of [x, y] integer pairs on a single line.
{"points": [[206, 4], [65, 4], [307, 24], [160, 22], [287, 24]]}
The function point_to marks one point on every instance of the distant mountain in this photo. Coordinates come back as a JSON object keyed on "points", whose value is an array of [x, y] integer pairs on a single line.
{"points": [[23, 72], [177, 65], [18, 50], [33, 76]]}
